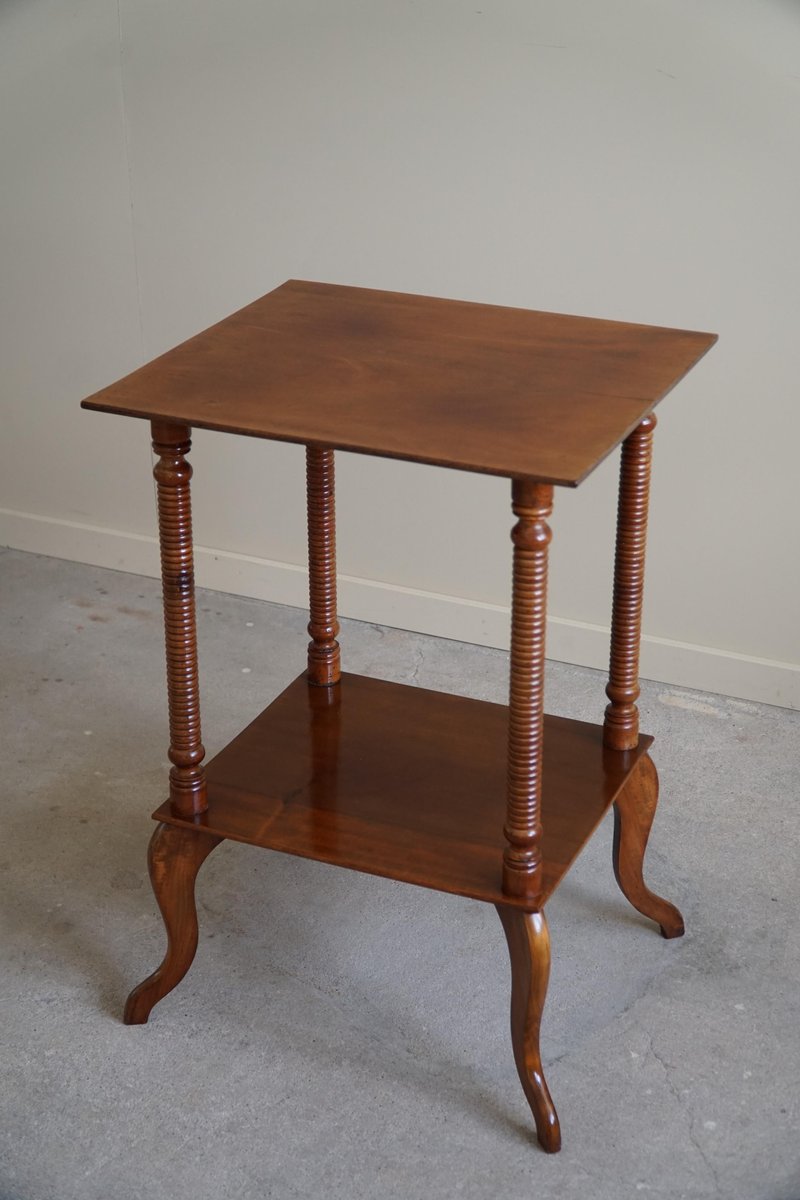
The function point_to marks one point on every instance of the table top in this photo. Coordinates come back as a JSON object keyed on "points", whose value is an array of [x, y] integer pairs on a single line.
{"points": [[502, 391]]}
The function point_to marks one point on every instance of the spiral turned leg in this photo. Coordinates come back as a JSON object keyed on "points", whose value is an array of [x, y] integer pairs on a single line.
{"points": [[532, 504], [529, 949], [621, 726], [174, 858], [323, 649], [187, 783], [634, 812]]}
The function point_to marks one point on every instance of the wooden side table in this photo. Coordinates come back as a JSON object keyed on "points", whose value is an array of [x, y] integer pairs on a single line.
{"points": [[483, 800]]}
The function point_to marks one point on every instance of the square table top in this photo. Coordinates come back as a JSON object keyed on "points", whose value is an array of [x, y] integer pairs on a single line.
{"points": [[502, 391]]}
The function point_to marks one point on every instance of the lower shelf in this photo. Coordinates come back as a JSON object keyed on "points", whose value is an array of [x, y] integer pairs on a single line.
{"points": [[402, 782]]}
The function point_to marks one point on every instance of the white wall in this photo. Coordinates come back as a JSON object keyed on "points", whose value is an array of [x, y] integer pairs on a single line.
{"points": [[162, 164]]}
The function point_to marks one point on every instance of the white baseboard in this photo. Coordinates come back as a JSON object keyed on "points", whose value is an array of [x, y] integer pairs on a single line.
{"points": [[679, 663]]}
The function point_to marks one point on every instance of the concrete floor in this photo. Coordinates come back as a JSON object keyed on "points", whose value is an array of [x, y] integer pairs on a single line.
{"points": [[345, 1036]]}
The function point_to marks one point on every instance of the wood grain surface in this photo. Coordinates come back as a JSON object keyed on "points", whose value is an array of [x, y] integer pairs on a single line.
{"points": [[532, 504], [529, 950], [504, 391], [174, 857], [621, 730], [403, 782], [186, 752], [634, 813], [323, 649]]}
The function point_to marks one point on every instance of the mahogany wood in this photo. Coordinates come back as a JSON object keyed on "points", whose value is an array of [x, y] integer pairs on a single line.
{"points": [[406, 783], [504, 391], [378, 777], [323, 649], [634, 812], [187, 787], [174, 858], [621, 730], [532, 504], [325, 713], [529, 950]]}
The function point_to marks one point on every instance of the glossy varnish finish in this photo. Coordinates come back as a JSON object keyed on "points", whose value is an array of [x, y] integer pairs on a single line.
{"points": [[504, 391], [174, 858], [621, 730], [323, 649], [532, 504], [529, 950], [403, 782], [187, 787], [477, 799], [634, 813]]}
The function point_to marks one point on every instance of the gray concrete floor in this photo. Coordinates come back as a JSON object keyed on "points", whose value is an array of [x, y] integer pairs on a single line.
{"points": [[344, 1036]]}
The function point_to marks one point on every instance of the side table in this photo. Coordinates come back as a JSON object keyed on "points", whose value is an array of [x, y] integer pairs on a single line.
{"points": [[483, 800]]}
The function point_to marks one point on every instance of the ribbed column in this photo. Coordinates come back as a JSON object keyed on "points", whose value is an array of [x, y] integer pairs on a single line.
{"points": [[621, 727], [172, 474], [532, 504], [323, 649]]}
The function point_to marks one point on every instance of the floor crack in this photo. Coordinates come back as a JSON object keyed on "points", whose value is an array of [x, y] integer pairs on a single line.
{"points": [[667, 1068]]}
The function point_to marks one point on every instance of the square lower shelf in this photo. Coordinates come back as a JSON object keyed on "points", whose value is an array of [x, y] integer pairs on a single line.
{"points": [[402, 782]]}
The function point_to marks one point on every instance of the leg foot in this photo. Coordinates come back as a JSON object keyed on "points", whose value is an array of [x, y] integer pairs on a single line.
{"points": [[634, 810], [174, 858], [529, 948]]}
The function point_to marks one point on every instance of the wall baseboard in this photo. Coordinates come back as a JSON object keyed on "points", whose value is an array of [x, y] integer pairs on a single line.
{"points": [[678, 663]]}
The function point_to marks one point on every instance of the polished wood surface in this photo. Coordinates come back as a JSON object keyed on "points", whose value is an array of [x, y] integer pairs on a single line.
{"points": [[504, 391], [634, 812], [529, 950], [406, 783], [621, 729], [174, 858], [323, 649], [187, 786], [476, 799], [532, 504]]}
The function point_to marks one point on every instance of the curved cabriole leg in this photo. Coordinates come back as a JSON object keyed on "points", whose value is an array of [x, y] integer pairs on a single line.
{"points": [[174, 858], [634, 811], [529, 949]]}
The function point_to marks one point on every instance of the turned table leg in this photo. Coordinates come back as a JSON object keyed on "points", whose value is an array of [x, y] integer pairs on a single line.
{"points": [[323, 649], [621, 726], [187, 790], [635, 806], [176, 854], [526, 932], [532, 504]]}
